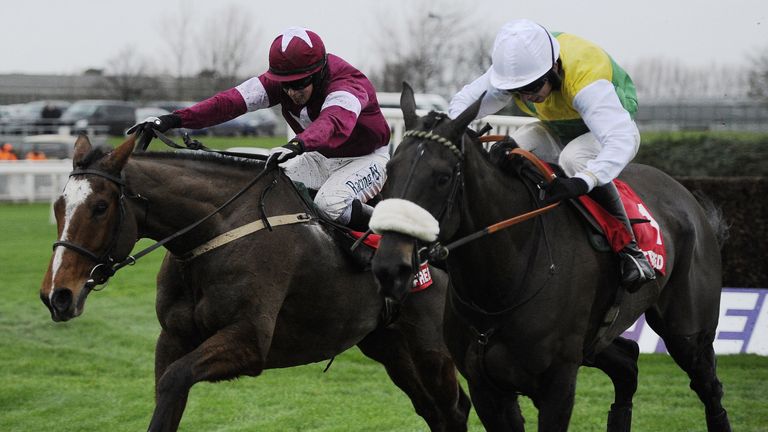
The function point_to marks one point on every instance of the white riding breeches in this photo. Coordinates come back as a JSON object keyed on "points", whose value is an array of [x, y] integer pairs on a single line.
{"points": [[571, 156], [339, 181]]}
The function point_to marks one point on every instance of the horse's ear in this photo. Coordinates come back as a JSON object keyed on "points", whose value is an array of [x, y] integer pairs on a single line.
{"points": [[82, 148], [468, 116], [408, 105], [117, 158]]}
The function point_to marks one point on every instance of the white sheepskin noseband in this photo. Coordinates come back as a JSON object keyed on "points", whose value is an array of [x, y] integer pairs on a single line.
{"points": [[404, 217]]}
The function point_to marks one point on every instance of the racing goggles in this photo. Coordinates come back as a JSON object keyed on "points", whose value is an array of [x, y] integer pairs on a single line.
{"points": [[299, 84], [530, 89]]}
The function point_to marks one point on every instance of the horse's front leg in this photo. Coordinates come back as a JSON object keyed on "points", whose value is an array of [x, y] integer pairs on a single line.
{"points": [[229, 353], [554, 399], [619, 362], [499, 411], [169, 349]]}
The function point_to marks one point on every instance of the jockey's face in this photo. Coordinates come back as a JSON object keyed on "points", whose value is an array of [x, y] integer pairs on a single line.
{"points": [[539, 96], [299, 96]]}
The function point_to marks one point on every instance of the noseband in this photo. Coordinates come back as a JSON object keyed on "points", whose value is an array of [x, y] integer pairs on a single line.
{"points": [[102, 271]]}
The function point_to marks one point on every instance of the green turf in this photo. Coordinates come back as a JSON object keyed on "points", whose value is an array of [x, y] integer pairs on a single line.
{"points": [[95, 373]]}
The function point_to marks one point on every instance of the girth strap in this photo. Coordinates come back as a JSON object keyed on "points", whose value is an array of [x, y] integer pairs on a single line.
{"points": [[243, 231]]}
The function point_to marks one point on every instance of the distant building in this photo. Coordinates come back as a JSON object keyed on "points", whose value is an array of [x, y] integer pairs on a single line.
{"points": [[20, 88]]}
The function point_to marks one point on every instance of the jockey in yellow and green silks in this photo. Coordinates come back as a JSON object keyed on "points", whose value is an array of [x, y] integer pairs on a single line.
{"points": [[585, 103]]}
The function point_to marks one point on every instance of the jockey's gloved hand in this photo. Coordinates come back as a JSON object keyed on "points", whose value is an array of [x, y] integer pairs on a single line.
{"points": [[563, 188], [292, 149], [145, 129], [162, 124], [499, 153]]}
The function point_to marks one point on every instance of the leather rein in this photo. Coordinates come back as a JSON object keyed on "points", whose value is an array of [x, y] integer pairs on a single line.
{"points": [[107, 265], [440, 252]]}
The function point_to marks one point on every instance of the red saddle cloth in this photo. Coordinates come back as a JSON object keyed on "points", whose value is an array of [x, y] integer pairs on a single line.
{"points": [[423, 277], [647, 234]]}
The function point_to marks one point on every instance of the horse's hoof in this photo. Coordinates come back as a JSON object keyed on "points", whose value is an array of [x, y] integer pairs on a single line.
{"points": [[620, 418], [719, 423]]}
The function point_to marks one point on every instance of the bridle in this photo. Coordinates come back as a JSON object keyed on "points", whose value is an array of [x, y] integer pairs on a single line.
{"points": [[457, 178], [436, 251], [105, 262]]}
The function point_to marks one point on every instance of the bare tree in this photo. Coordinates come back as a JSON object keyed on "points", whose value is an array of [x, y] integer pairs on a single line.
{"points": [[177, 33], [439, 48], [128, 76], [226, 44], [758, 77], [660, 78]]}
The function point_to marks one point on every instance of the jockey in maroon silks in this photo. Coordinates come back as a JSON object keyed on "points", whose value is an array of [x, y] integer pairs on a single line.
{"points": [[341, 140]]}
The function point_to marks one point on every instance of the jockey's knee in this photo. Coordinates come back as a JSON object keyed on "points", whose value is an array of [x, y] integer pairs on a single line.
{"points": [[338, 208], [574, 157], [535, 138]]}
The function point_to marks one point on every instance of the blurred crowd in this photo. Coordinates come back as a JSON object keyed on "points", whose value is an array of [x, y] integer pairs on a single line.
{"points": [[7, 153]]}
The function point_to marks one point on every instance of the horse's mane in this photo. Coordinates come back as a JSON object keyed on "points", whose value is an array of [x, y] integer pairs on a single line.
{"points": [[229, 161]]}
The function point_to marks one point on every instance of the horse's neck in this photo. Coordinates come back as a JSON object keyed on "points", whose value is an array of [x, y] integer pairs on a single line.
{"points": [[491, 197], [174, 194]]}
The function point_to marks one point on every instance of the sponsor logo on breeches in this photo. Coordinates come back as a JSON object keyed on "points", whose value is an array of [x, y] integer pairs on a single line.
{"points": [[364, 181]]}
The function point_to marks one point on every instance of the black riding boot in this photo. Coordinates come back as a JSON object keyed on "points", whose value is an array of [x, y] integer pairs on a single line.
{"points": [[635, 268], [361, 215]]}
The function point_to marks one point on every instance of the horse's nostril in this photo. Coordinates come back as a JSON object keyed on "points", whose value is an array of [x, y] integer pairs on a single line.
{"points": [[62, 299], [44, 299]]}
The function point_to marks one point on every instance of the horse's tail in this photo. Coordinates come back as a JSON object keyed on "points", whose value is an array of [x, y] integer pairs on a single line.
{"points": [[715, 217]]}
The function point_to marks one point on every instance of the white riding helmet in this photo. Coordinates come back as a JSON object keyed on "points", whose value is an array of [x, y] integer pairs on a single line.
{"points": [[522, 53]]}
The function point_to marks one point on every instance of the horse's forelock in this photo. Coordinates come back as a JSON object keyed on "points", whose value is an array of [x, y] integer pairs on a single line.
{"points": [[432, 119], [92, 156]]}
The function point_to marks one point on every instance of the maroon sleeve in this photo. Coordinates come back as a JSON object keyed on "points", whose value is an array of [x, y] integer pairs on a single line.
{"points": [[338, 117], [330, 130], [214, 110]]}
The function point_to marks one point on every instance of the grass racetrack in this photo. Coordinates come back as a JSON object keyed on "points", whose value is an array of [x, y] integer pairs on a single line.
{"points": [[95, 373]]}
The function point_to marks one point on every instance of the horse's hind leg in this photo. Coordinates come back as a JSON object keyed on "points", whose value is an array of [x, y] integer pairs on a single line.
{"points": [[619, 362], [427, 377], [695, 355], [225, 355]]}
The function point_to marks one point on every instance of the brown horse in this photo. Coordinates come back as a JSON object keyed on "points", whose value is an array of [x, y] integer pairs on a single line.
{"points": [[527, 302], [283, 296]]}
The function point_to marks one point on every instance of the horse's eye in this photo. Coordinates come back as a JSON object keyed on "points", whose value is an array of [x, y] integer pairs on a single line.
{"points": [[443, 179], [100, 208]]}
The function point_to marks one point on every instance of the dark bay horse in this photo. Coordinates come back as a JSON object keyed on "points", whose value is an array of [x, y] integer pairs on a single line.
{"points": [[276, 298], [526, 303]]}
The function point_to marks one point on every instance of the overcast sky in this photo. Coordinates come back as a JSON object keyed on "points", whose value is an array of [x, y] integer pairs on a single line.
{"points": [[52, 36]]}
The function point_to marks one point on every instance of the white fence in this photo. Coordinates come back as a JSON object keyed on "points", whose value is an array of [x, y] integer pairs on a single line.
{"points": [[502, 125], [33, 181]]}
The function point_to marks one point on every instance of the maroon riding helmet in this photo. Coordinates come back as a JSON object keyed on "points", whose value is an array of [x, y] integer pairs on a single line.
{"points": [[295, 54]]}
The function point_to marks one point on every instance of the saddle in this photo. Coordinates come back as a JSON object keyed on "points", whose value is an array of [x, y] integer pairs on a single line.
{"points": [[357, 246], [605, 232], [362, 252]]}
